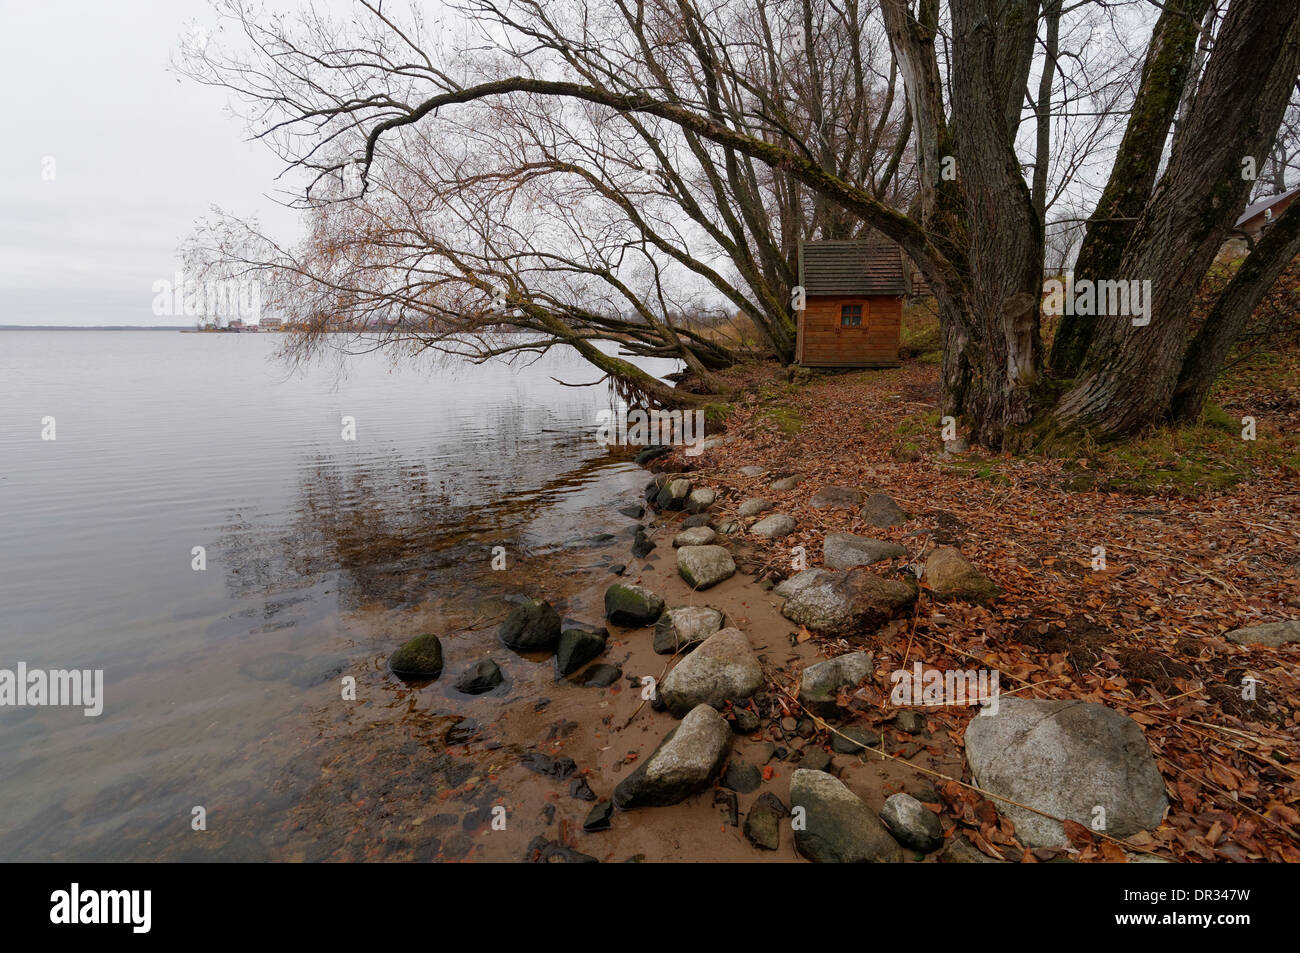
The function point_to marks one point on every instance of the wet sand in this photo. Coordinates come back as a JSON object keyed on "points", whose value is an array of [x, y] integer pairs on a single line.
{"points": [[420, 773]]}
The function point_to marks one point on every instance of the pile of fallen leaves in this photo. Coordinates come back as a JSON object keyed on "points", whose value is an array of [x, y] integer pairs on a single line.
{"points": [[1142, 634]]}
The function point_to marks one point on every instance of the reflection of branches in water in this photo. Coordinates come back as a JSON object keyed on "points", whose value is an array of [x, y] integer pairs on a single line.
{"points": [[396, 532]]}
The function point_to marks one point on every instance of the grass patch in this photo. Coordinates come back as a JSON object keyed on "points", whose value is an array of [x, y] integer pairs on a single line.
{"points": [[785, 418]]}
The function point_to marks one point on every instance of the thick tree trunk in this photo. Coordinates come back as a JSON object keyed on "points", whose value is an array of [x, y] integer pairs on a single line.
{"points": [[1169, 60], [998, 309], [1227, 320], [1130, 370]]}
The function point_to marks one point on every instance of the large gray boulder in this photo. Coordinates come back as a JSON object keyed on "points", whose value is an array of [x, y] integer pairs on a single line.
{"points": [[846, 551], [704, 566], [773, 526], [683, 627], [788, 587], [1065, 758], [686, 762], [837, 828], [721, 669], [531, 627], [845, 602], [631, 606], [952, 578], [1272, 634], [821, 682]]}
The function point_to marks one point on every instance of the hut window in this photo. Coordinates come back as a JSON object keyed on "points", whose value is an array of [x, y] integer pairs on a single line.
{"points": [[851, 316]]}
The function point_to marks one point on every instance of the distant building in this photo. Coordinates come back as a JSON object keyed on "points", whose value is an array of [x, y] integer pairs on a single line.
{"points": [[270, 324], [1254, 221], [853, 307]]}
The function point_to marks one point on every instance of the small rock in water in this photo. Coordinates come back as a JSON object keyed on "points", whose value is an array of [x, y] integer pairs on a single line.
{"points": [[695, 536], [420, 658], [618, 569], [317, 670], [599, 676], [532, 626], [753, 507], [912, 823], [773, 527], [462, 732], [634, 511], [577, 647], [642, 545], [271, 668], [881, 511], [631, 606], [704, 566], [763, 822], [483, 676], [673, 496], [650, 454], [580, 789]]}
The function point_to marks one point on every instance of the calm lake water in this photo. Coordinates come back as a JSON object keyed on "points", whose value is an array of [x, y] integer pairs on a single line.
{"points": [[321, 553]]}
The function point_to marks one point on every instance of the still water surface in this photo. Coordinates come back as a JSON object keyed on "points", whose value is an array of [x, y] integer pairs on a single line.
{"points": [[321, 553]]}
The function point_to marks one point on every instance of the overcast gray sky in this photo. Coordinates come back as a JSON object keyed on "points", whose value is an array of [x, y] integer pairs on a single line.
{"points": [[138, 155]]}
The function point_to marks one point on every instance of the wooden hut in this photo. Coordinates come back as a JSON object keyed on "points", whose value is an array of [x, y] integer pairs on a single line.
{"points": [[853, 302]]}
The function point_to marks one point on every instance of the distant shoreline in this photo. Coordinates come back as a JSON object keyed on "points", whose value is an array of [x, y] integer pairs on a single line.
{"points": [[92, 327]]}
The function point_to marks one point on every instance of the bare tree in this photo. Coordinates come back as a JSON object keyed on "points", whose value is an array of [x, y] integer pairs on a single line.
{"points": [[978, 234]]}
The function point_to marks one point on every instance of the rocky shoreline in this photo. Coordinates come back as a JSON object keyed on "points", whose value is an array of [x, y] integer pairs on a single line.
{"points": [[748, 693]]}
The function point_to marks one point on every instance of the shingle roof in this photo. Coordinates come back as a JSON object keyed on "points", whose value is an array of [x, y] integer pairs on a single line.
{"points": [[871, 266], [1253, 210]]}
